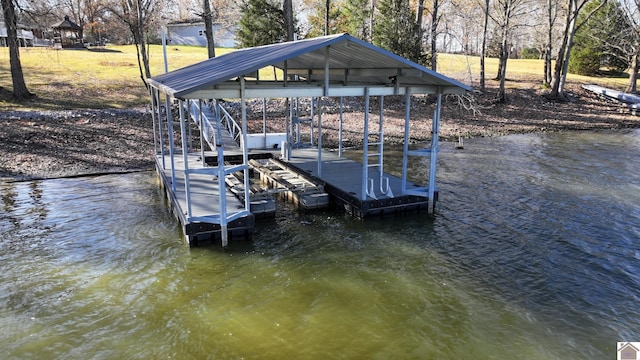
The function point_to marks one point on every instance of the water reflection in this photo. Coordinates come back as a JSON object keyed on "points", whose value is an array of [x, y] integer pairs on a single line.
{"points": [[532, 254]]}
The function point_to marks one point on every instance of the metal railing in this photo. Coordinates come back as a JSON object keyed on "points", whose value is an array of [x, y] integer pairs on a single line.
{"points": [[229, 123], [209, 112]]}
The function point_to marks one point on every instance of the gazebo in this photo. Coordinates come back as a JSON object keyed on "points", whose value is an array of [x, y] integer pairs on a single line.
{"points": [[67, 34], [331, 66]]}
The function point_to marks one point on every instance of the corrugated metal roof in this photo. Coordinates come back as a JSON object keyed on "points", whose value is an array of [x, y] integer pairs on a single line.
{"points": [[365, 63]]}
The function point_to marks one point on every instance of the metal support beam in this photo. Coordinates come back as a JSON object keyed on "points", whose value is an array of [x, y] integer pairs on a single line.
{"points": [[365, 146], [340, 127], [245, 149], [202, 131], [171, 145], [320, 104], [185, 156], [434, 154], [154, 120], [222, 189], [160, 132], [405, 150]]}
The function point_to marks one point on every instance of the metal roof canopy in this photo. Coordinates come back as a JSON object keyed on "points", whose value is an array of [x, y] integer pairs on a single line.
{"points": [[335, 65]]}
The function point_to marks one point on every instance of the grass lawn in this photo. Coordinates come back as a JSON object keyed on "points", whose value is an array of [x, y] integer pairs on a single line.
{"points": [[110, 77]]}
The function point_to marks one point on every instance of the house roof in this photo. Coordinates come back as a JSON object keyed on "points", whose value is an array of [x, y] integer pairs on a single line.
{"points": [[350, 61], [67, 24]]}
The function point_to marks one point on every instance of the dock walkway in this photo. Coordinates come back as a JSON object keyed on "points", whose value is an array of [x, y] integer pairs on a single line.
{"points": [[205, 205], [342, 178]]}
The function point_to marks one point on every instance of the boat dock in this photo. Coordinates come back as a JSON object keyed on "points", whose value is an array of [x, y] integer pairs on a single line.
{"points": [[219, 178]]}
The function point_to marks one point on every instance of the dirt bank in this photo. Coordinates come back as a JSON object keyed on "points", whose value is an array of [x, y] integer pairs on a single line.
{"points": [[48, 144]]}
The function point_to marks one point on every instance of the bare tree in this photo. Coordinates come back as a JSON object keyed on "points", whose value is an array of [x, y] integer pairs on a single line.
{"points": [[20, 91], [574, 7], [327, 15], [551, 8], [506, 14], [207, 16], [137, 15], [483, 53], [289, 25], [433, 33], [625, 45]]}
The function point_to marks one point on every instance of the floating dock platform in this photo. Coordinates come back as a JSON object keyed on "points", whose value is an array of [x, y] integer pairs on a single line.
{"points": [[205, 207], [342, 179]]}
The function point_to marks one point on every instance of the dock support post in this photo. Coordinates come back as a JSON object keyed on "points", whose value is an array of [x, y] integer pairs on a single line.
{"points": [[434, 154], [365, 146], [154, 120], [405, 150], [264, 122], [222, 190], [160, 132], [288, 128], [185, 157], [340, 128], [320, 103], [245, 150], [171, 145], [202, 132], [381, 141]]}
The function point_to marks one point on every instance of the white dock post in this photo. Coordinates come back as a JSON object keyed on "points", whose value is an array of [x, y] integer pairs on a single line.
{"points": [[340, 128], [245, 150], [365, 146], [405, 150], [320, 103], [202, 132], [160, 132], [185, 157], [171, 145], [434, 154], [154, 120], [222, 190]]}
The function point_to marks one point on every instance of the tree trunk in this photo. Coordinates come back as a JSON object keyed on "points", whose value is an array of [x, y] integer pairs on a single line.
{"points": [[207, 16], [502, 67], [547, 49], [137, 29], [633, 76], [326, 17], [434, 35], [287, 10], [499, 63], [504, 51], [483, 51], [419, 15], [555, 88], [20, 91]]}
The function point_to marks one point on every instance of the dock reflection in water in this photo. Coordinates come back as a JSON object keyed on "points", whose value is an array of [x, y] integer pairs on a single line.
{"points": [[533, 254]]}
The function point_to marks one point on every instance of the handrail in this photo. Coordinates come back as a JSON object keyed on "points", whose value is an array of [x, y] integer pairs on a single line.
{"points": [[232, 126], [208, 131]]}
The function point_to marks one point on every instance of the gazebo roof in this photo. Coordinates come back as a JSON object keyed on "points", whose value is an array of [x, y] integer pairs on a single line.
{"points": [[335, 65], [67, 24]]}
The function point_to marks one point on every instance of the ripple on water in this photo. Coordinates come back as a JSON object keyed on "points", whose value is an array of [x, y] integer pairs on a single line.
{"points": [[533, 253]]}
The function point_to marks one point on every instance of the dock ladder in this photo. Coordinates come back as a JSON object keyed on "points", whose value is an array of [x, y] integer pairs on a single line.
{"points": [[373, 156], [297, 121], [432, 153]]}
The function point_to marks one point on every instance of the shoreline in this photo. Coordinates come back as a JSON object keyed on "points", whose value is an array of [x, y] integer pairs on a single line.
{"points": [[72, 143]]}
